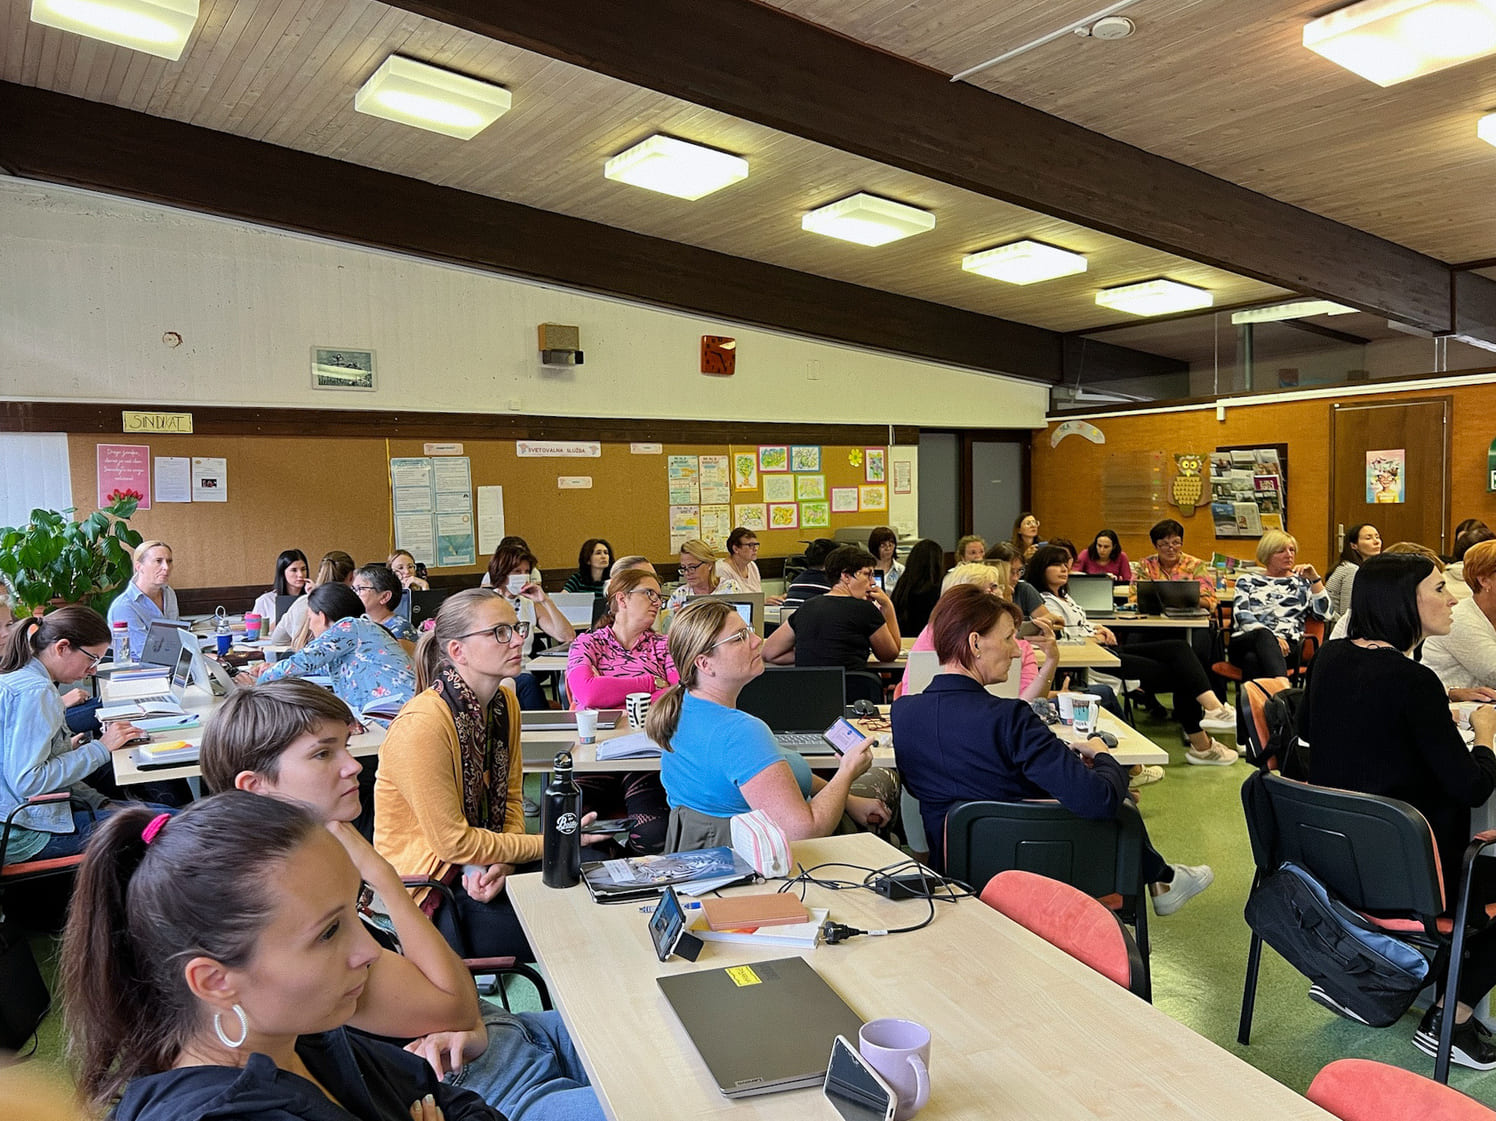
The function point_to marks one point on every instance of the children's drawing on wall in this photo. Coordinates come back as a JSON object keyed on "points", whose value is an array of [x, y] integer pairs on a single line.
{"points": [[1386, 475]]}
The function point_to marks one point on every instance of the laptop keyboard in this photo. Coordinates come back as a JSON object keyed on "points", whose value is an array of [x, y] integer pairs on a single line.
{"points": [[798, 739]]}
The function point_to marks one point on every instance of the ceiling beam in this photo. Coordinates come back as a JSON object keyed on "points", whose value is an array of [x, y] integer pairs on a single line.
{"points": [[763, 65], [61, 139]]}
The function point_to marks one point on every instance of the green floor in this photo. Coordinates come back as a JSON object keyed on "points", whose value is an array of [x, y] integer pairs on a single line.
{"points": [[1199, 954]]}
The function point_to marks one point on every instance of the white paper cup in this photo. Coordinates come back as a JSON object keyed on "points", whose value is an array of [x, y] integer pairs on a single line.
{"points": [[1066, 705], [587, 725], [637, 706], [1087, 707]]}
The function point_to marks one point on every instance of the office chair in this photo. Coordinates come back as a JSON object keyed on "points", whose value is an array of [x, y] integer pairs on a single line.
{"points": [[1363, 1090]]}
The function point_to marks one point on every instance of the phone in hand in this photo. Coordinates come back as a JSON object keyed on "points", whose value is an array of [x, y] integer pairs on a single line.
{"points": [[858, 1092], [843, 736], [610, 825], [1028, 629]]}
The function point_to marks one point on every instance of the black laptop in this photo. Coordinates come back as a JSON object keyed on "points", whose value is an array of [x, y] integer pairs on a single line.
{"points": [[798, 703], [425, 602], [1173, 599]]}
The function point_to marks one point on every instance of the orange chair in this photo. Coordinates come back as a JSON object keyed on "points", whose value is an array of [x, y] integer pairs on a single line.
{"points": [[1070, 920], [1314, 638], [1363, 1090]]}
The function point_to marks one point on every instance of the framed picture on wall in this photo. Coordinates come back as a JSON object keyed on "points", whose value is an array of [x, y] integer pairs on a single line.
{"points": [[773, 457], [814, 514], [805, 457], [341, 368], [873, 498], [779, 488], [784, 516], [875, 465], [844, 500], [751, 515]]}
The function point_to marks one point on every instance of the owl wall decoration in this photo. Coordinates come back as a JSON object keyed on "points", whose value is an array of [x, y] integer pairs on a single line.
{"points": [[1188, 487]]}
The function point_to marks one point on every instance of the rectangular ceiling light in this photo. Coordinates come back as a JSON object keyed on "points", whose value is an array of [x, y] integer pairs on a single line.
{"points": [[1155, 297], [413, 93], [1390, 41], [1298, 309], [1024, 262], [676, 167], [868, 220], [158, 27], [1486, 128]]}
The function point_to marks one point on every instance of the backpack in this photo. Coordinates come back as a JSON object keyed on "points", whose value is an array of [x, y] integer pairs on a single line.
{"points": [[1273, 715], [1357, 970]]}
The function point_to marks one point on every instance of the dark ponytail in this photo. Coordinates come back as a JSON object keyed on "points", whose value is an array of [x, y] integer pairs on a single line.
{"points": [[140, 912], [80, 626]]}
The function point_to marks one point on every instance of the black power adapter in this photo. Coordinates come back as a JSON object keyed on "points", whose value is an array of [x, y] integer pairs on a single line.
{"points": [[908, 886]]}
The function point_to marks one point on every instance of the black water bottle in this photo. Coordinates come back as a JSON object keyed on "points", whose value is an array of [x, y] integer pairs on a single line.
{"points": [[560, 827]]}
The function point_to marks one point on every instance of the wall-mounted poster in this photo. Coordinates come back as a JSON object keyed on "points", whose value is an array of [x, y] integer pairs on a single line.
{"points": [[784, 516], [814, 514], [809, 487], [1386, 472], [844, 500], [779, 488], [682, 473], [875, 465], [124, 470], [873, 498], [715, 486], [751, 515], [773, 457], [805, 457], [903, 477], [744, 471]]}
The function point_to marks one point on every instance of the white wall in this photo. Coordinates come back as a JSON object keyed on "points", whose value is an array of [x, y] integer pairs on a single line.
{"points": [[89, 284]]}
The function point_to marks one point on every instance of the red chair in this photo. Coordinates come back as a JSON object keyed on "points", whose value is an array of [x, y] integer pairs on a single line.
{"points": [[1314, 638], [1362, 1090], [1070, 920], [497, 967]]}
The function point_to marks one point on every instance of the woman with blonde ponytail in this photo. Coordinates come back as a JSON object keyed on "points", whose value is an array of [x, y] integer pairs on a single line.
{"points": [[718, 761]]}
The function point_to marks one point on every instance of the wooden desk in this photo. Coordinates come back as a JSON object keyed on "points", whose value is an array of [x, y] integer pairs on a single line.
{"points": [[1020, 1029], [1131, 621], [1090, 654]]}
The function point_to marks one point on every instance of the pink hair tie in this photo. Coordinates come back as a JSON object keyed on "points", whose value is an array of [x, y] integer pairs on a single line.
{"points": [[148, 834]]}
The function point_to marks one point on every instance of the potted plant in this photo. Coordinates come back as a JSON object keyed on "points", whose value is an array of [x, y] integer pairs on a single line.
{"points": [[53, 559]]}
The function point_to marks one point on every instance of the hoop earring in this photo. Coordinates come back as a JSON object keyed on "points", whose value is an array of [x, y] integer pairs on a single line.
{"points": [[233, 1044]]}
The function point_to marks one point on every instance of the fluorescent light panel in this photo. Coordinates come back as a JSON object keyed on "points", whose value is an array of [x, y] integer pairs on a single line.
{"points": [[1297, 309], [1154, 297], [868, 220], [1486, 128], [158, 27], [1024, 262], [414, 93], [1391, 41], [676, 167]]}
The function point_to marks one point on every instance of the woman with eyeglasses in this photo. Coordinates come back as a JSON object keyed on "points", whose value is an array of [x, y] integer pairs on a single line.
{"points": [[719, 762], [623, 654], [699, 577], [38, 755], [448, 798]]}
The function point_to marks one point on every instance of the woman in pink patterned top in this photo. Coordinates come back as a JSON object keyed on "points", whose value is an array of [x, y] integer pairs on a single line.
{"points": [[624, 655]]}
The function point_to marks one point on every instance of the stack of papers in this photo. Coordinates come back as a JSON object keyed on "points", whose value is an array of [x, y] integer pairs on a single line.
{"points": [[635, 745]]}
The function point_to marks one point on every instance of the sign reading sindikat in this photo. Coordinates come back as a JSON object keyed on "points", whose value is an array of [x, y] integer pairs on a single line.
{"points": [[136, 421], [559, 449]]}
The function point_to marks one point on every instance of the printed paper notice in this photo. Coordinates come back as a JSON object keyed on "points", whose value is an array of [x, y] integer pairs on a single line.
{"points": [[685, 524], [454, 539], [844, 500], [681, 471], [415, 533], [490, 518], [410, 472], [173, 478], [716, 483], [210, 479]]}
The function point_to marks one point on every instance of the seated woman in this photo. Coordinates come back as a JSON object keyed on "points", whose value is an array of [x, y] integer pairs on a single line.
{"points": [[810, 581], [367, 667], [291, 579], [698, 570], [593, 563], [336, 567], [240, 983], [403, 565], [1104, 556], [289, 739], [450, 783], [719, 762], [956, 742], [623, 654], [1361, 541], [918, 588], [970, 548], [1378, 722], [1163, 666], [379, 590], [1465, 658], [1025, 535], [38, 755], [1271, 608], [883, 543], [511, 573], [1171, 562], [148, 596], [852, 621], [1025, 596], [741, 563]]}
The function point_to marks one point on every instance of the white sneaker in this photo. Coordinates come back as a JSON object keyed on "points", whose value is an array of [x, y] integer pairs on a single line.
{"points": [[1146, 775], [1189, 881], [1216, 755], [1222, 719]]}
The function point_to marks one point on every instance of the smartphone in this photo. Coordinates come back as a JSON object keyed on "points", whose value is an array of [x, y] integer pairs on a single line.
{"points": [[856, 1090], [610, 825], [843, 736], [1028, 628]]}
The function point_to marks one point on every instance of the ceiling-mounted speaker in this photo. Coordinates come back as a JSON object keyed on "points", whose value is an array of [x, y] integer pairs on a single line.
{"points": [[1113, 27], [560, 345]]}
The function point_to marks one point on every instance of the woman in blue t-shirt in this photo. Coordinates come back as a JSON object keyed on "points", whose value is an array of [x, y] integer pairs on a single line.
{"points": [[720, 762]]}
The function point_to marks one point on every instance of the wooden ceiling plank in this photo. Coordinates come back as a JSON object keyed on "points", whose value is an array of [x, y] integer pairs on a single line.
{"points": [[755, 62]]}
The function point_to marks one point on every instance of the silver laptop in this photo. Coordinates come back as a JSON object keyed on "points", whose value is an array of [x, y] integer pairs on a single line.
{"points": [[762, 1027], [798, 703], [161, 704], [550, 719], [576, 606], [207, 672], [1093, 594], [162, 644]]}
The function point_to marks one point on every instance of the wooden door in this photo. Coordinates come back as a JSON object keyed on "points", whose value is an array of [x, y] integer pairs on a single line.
{"points": [[1419, 430]]}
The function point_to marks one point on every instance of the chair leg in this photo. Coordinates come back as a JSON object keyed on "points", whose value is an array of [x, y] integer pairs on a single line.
{"points": [[1143, 947], [1249, 992]]}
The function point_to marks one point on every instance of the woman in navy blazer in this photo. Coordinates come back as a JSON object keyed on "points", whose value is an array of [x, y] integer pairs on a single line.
{"points": [[955, 742]]}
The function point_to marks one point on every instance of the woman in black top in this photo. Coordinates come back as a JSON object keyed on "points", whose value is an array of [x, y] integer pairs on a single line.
{"points": [[915, 594], [1378, 722]]}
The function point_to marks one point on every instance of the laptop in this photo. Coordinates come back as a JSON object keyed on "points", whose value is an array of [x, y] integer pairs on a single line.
{"points": [[1176, 599], [763, 1027], [550, 719], [798, 703], [1093, 594], [749, 605], [920, 670], [425, 602], [283, 604], [162, 643], [163, 704], [576, 606]]}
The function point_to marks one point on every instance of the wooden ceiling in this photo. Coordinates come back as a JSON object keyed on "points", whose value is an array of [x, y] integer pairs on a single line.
{"points": [[1396, 164]]}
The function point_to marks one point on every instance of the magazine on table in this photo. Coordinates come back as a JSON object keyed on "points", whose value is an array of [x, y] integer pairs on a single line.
{"points": [[641, 877]]}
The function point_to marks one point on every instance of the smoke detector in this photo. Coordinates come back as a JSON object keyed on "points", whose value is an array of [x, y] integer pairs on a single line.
{"points": [[1108, 28]]}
